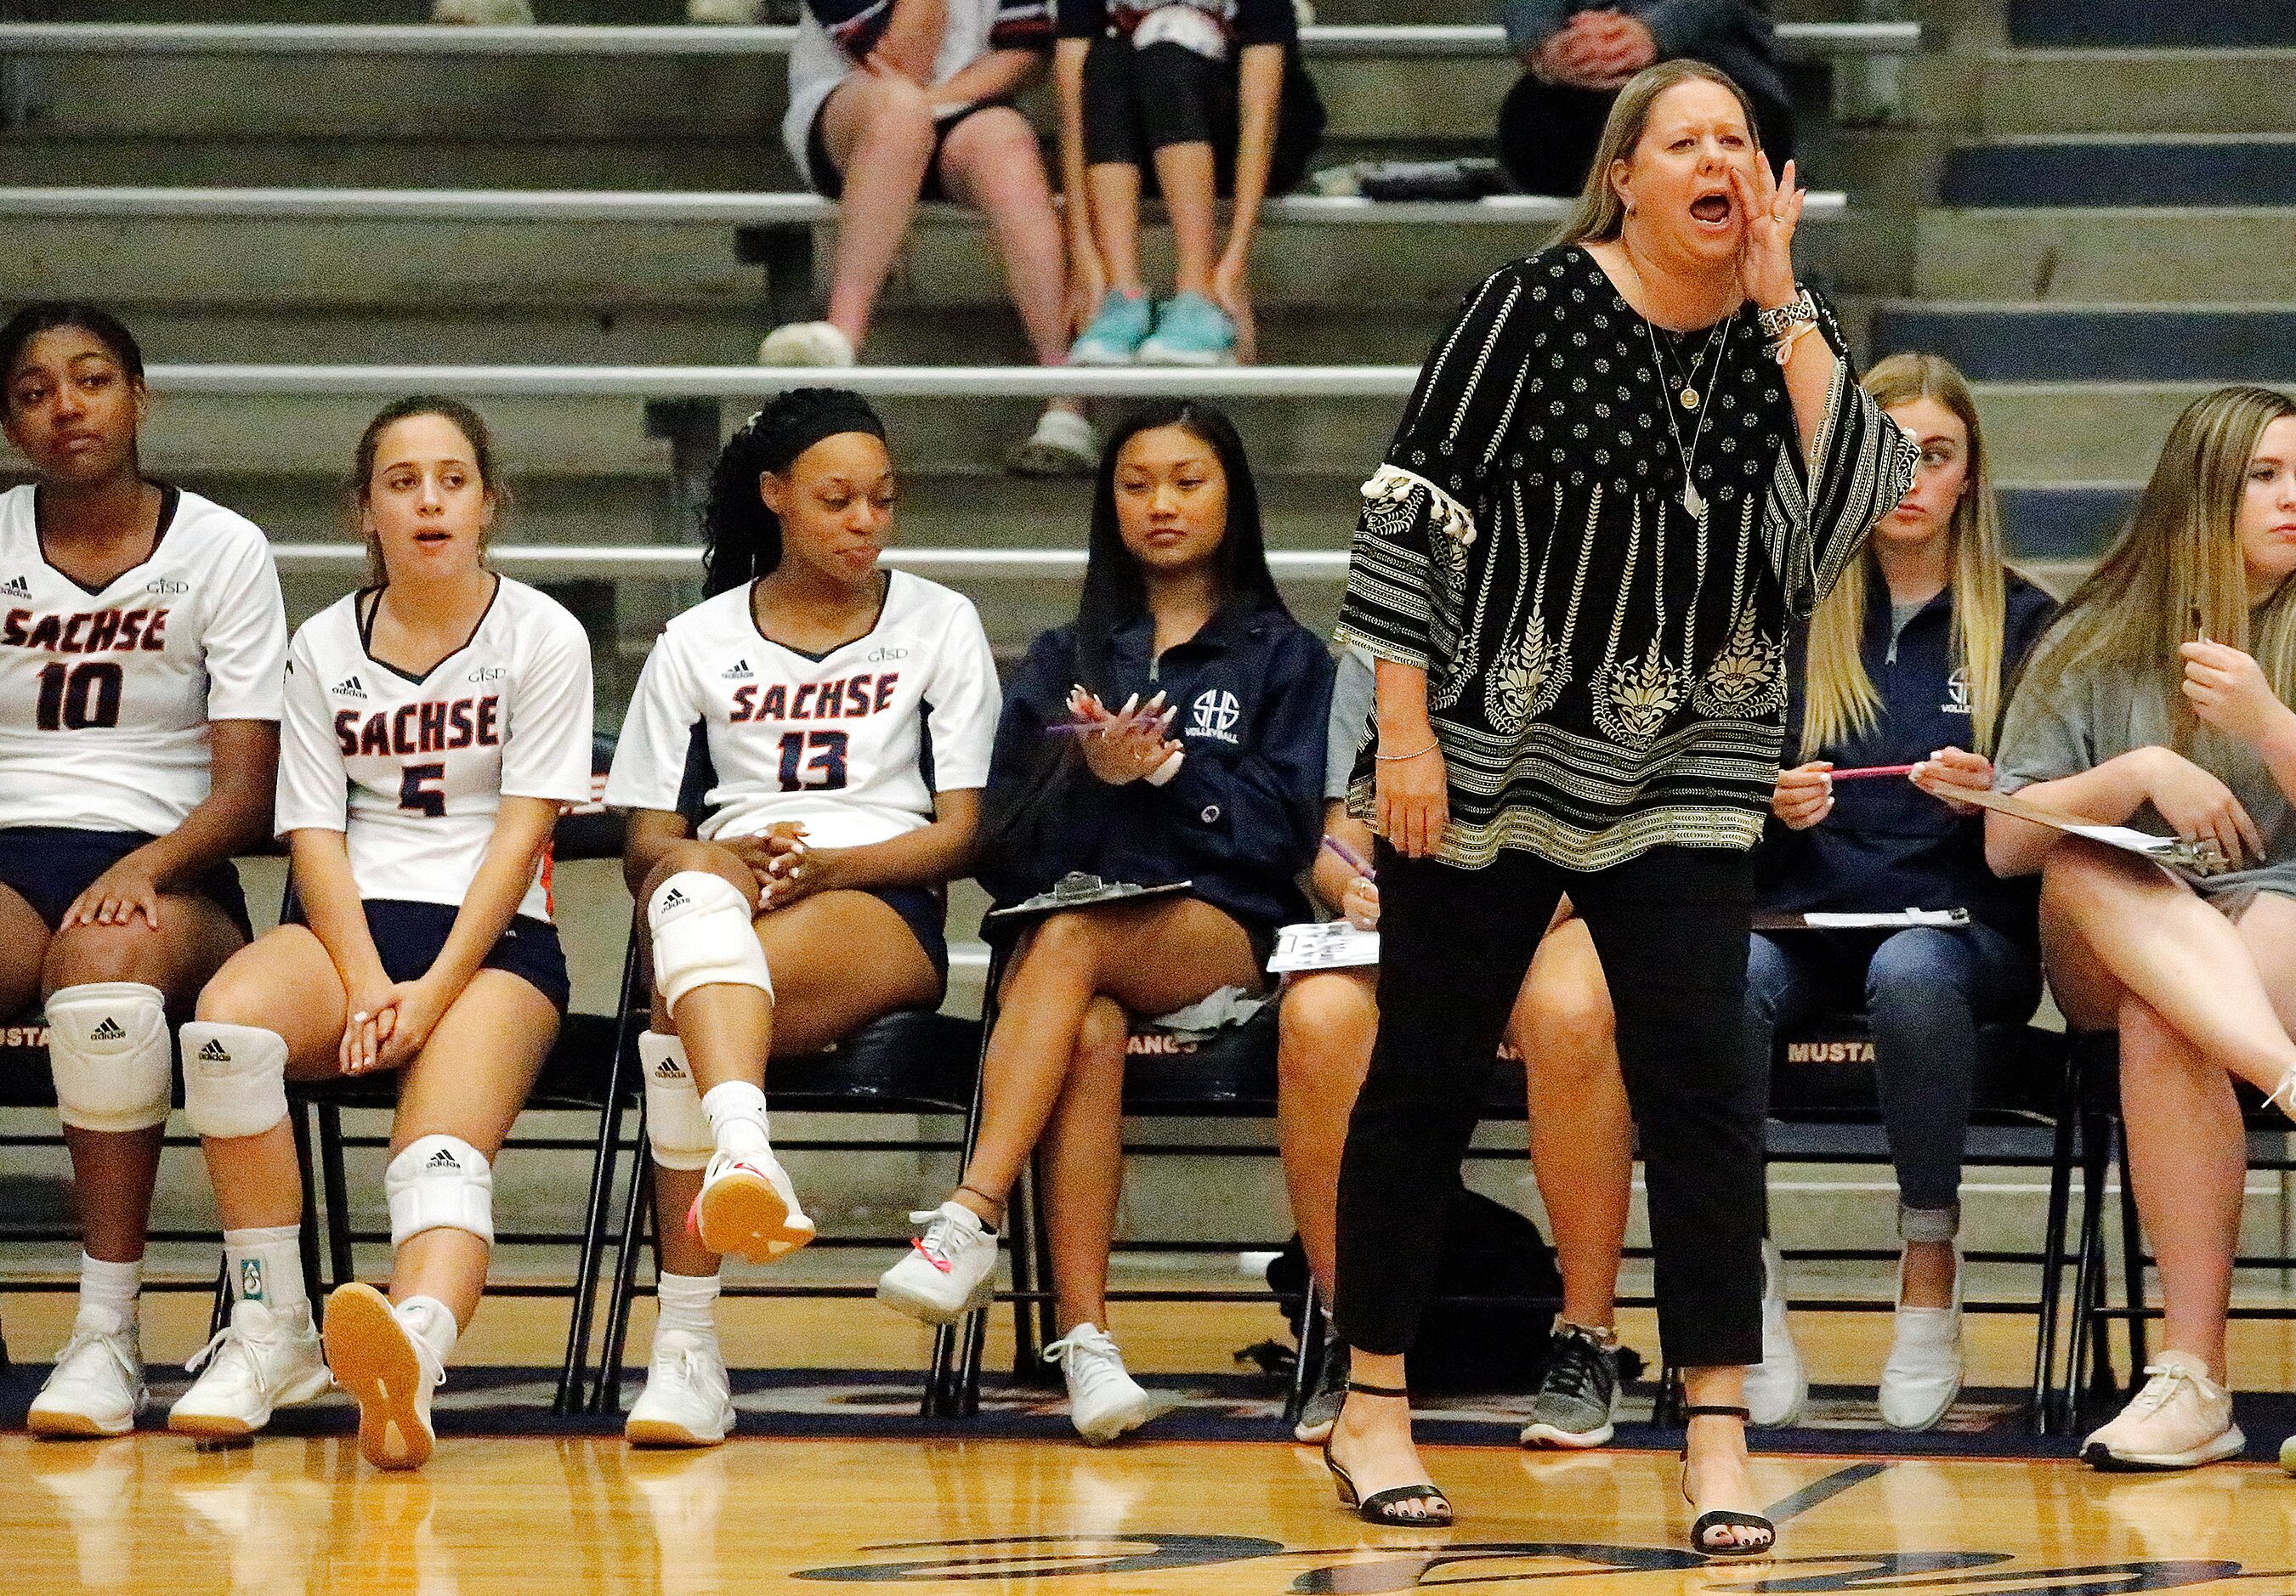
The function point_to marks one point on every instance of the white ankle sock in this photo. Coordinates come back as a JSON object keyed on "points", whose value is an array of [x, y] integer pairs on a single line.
{"points": [[267, 1266], [432, 1322], [736, 1112], [111, 1287], [686, 1302]]}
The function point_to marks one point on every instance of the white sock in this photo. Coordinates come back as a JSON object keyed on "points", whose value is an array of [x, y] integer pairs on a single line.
{"points": [[736, 1112], [267, 1266], [431, 1321], [110, 1288], [686, 1302]]}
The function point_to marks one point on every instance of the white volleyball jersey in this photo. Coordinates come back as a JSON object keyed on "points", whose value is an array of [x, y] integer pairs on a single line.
{"points": [[412, 770], [852, 745], [105, 696]]}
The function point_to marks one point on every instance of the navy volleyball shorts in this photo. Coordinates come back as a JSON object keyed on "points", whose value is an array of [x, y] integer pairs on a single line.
{"points": [[408, 937], [924, 912], [49, 866]]}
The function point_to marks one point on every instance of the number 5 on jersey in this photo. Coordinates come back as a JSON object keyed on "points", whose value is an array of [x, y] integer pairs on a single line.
{"points": [[827, 760]]}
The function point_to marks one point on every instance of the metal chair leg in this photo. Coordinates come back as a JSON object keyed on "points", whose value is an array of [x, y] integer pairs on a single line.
{"points": [[340, 1261], [220, 1307], [308, 1241], [598, 1211], [605, 1393], [2089, 1267], [1308, 1336], [2045, 1416]]}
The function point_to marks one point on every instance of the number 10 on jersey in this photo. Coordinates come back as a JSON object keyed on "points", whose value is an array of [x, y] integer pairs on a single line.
{"points": [[74, 697]]}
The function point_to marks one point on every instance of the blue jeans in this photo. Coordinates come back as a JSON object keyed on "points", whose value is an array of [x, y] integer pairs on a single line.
{"points": [[1925, 991]]}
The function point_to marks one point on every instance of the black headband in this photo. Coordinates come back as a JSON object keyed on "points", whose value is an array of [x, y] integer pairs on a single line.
{"points": [[802, 417]]}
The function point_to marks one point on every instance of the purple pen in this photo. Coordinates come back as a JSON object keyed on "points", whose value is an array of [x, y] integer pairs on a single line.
{"points": [[1351, 859]]}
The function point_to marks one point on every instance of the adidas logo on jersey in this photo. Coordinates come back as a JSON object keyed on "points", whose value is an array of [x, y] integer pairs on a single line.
{"points": [[350, 687], [16, 587], [214, 1052], [444, 1159], [109, 1030], [740, 672]]}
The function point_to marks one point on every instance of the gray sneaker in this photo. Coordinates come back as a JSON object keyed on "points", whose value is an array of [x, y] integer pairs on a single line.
{"points": [[1578, 1397], [1322, 1409]]}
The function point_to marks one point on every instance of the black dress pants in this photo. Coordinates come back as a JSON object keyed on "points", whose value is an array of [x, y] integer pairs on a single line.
{"points": [[1548, 133], [1671, 926]]}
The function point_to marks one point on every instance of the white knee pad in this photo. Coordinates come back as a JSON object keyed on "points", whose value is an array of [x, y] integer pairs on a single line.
{"points": [[440, 1183], [235, 1078], [676, 1129], [109, 1049], [703, 937]]}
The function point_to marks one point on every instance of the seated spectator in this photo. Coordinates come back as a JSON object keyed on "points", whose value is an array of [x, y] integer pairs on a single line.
{"points": [[2161, 699], [894, 103], [1576, 55], [1906, 660], [1093, 771], [1582, 1138], [1195, 101]]}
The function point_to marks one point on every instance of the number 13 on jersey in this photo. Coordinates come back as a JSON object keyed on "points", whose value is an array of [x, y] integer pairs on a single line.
{"points": [[808, 755]]}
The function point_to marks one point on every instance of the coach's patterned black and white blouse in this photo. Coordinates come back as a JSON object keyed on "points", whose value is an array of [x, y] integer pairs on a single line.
{"points": [[1605, 639]]}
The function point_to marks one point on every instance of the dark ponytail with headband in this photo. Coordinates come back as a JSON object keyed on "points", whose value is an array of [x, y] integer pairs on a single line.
{"points": [[741, 538]]}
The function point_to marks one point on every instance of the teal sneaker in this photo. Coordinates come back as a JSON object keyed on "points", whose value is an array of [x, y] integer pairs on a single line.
{"points": [[1190, 330], [1114, 335]]}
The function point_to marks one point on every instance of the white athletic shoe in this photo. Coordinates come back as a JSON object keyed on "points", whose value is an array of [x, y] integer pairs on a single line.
{"points": [[1923, 1372], [1104, 1401], [2180, 1419], [97, 1386], [389, 1371], [687, 1400], [1776, 1389], [806, 343], [483, 14], [259, 1362], [948, 1273], [748, 1209], [734, 13], [1063, 445]]}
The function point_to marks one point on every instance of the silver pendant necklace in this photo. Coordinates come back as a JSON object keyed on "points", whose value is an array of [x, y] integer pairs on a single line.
{"points": [[1692, 500]]}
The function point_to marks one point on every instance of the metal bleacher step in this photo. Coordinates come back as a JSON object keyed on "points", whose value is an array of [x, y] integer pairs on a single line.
{"points": [[2152, 23], [2124, 255], [2189, 169], [2140, 91], [1993, 342]]}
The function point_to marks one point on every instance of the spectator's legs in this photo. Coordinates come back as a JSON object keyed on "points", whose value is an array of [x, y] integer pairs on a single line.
{"points": [[1176, 93], [1113, 188], [1547, 134], [1324, 1030], [1582, 1133], [879, 131], [1925, 991], [1184, 172], [1789, 981], [1082, 1161], [991, 162]]}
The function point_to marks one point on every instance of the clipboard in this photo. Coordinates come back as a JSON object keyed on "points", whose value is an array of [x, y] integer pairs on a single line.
{"points": [[1325, 944], [1887, 919], [1080, 890], [2177, 853]]}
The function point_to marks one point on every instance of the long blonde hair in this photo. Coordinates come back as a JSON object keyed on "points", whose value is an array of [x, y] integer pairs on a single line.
{"points": [[1600, 213], [2178, 562], [1841, 701]]}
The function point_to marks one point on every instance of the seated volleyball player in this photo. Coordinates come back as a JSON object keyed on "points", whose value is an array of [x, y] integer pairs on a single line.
{"points": [[1582, 1137], [1173, 733], [843, 716], [140, 636], [437, 721], [2161, 699]]}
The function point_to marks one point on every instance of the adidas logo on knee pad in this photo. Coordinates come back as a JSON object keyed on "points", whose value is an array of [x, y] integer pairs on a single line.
{"points": [[214, 1053], [668, 1070], [111, 1030], [673, 899], [444, 1159]]}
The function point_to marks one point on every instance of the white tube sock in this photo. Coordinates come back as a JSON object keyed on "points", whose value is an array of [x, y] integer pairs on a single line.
{"points": [[267, 1266], [687, 1303], [111, 1287], [430, 1321], [736, 1112]]}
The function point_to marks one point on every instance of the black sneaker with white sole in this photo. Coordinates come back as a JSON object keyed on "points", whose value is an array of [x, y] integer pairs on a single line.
{"points": [[1578, 1397]]}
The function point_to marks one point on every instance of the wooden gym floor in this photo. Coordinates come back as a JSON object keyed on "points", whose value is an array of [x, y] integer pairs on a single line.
{"points": [[306, 1515]]}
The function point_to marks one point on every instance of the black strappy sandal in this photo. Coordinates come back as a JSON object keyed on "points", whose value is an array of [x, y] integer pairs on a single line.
{"points": [[1701, 1533], [1379, 1506]]}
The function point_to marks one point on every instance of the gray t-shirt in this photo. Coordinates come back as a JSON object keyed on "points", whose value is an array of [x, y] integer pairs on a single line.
{"points": [[1355, 694], [2094, 715]]}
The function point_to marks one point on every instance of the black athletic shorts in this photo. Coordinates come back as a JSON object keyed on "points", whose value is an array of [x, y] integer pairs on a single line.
{"points": [[408, 937], [1137, 101], [49, 866], [830, 182], [926, 915]]}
